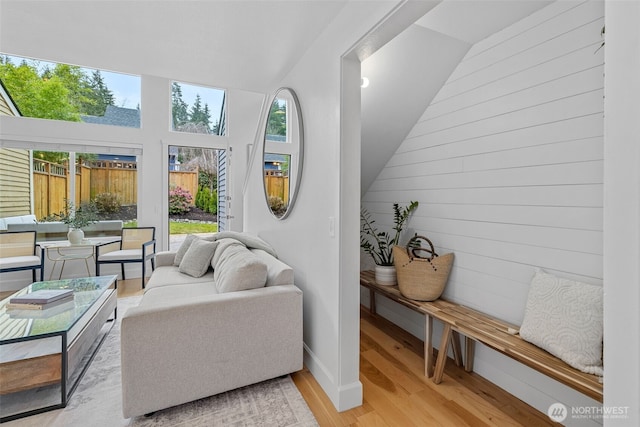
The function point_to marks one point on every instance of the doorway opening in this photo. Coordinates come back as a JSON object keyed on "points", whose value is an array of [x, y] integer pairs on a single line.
{"points": [[197, 192]]}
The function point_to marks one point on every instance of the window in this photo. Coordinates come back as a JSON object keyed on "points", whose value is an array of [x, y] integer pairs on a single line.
{"points": [[197, 109], [56, 91], [106, 182]]}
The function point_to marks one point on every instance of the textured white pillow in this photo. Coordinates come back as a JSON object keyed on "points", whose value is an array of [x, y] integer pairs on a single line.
{"points": [[184, 247], [238, 269], [196, 261], [564, 317]]}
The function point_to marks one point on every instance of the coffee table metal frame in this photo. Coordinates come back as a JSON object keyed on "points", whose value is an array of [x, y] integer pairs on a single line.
{"points": [[65, 391]]}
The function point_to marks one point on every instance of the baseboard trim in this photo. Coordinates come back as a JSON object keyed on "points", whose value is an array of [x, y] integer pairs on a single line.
{"points": [[343, 397]]}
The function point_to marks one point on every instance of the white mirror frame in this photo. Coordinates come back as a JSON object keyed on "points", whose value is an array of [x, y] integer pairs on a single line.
{"points": [[294, 148]]}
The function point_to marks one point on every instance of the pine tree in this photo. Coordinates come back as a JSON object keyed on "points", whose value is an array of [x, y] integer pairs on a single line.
{"points": [[179, 107], [101, 94]]}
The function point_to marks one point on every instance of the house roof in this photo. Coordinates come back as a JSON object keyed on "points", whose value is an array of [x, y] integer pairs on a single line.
{"points": [[5, 96], [116, 116], [270, 158]]}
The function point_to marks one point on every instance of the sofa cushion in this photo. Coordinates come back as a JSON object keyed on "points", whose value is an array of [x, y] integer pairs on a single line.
{"points": [[238, 269], [278, 273], [223, 244], [197, 259], [170, 276], [161, 295], [184, 247]]}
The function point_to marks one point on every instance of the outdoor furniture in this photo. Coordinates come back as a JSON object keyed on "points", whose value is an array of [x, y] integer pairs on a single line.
{"points": [[135, 245], [18, 252]]}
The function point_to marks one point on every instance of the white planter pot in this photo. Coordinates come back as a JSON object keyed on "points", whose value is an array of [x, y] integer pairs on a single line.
{"points": [[386, 275], [75, 236]]}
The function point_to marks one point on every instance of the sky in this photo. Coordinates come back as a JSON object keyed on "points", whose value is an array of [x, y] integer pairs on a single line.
{"points": [[126, 89]]}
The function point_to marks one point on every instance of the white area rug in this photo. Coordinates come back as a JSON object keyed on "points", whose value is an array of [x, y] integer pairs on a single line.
{"points": [[97, 401]]}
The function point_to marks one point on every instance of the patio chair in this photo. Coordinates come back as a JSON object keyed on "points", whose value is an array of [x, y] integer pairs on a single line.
{"points": [[135, 245], [19, 252]]}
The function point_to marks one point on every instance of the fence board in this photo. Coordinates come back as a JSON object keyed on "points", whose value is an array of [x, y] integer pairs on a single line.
{"points": [[187, 180]]}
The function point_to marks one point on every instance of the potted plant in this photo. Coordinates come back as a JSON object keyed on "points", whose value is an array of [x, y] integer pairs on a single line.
{"points": [[379, 244], [77, 218]]}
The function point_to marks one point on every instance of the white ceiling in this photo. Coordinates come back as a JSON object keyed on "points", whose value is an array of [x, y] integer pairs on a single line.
{"points": [[252, 44], [232, 44], [419, 61]]}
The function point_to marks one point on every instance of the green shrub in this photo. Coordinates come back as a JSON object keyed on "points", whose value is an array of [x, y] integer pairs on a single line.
{"points": [[107, 202], [276, 204], [212, 206]]}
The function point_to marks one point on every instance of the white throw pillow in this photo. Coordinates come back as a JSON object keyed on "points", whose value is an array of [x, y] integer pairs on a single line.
{"points": [[198, 257], [237, 269], [184, 247], [564, 317]]}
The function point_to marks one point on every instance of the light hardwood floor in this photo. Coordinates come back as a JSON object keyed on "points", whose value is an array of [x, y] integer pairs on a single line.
{"points": [[396, 392]]}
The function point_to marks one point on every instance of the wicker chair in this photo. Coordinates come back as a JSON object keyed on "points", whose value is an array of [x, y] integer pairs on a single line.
{"points": [[135, 245], [19, 252]]}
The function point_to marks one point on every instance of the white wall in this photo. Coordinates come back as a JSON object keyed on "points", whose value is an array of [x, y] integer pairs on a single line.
{"points": [[311, 238], [507, 164], [150, 142], [622, 211]]}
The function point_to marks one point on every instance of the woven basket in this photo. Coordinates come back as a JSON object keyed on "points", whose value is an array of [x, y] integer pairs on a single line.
{"points": [[421, 278]]}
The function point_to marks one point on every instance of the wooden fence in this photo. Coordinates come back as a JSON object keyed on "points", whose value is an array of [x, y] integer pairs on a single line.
{"points": [[277, 185], [51, 185]]}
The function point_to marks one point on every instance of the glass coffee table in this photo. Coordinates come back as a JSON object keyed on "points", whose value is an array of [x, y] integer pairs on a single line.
{"points": [[44, 353]]}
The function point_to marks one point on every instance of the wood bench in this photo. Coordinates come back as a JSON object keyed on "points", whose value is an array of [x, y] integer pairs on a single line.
{"points": [[476, 326]]}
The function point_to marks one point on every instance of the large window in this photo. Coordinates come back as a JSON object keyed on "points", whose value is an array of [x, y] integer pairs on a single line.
{"points": [[108, 182], [49, 90], [197, 109]]}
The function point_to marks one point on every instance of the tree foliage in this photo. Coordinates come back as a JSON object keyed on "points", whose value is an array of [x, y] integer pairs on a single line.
{"points": [[196, 119], [277, 124], [47, 95]]}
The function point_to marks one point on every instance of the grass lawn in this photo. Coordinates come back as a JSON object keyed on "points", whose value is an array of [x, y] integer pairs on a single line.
{"points": [[184, 227]]}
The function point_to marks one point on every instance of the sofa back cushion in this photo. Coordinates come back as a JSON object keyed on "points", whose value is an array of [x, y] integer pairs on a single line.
{"points": [[236, 268], [278, 273]]}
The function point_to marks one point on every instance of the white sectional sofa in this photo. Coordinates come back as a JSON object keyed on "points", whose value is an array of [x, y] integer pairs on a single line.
{"points": [[238, 323]]}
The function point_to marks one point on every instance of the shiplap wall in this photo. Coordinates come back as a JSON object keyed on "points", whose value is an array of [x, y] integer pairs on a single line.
{"points": [[507, 164]]}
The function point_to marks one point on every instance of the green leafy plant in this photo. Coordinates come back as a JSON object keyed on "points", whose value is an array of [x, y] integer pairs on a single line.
{"points": [[77, 218], [379, 244]]}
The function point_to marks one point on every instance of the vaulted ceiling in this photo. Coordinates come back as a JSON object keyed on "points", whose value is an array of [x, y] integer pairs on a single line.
{"points": [[251, 45]]}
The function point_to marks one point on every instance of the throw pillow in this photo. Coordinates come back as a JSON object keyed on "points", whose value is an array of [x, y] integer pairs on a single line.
{"points": [[184, 247], [565, 318], [196, 261], [238, 269]]}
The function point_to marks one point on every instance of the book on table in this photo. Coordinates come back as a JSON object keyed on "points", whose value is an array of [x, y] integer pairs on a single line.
{"points": [[42, 296], [51, 309], [37, 306]]}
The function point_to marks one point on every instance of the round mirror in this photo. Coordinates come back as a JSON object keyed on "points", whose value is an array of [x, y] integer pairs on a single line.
{"points": [[283, 150]]}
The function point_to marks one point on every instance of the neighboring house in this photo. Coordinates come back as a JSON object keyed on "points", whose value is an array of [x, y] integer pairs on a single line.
{"points": [[116, 116], [15, 169], [274, 162]]}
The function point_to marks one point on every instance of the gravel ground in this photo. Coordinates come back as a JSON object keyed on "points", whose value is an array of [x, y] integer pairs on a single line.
{"points": [[128, 213]]}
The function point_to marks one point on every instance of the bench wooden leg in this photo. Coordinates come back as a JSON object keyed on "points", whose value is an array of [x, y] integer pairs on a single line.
{"points": [[372, 301], [457, 350], [428, 346], [469, 350], [442, 354]]}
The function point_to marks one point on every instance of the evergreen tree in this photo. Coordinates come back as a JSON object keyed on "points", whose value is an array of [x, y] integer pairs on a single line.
{"points": [[200, 116], [101, 94], [277, 124], [178, 107]]}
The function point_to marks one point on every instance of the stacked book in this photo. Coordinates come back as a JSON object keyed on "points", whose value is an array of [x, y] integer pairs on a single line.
{"points": [[41, 300]]}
